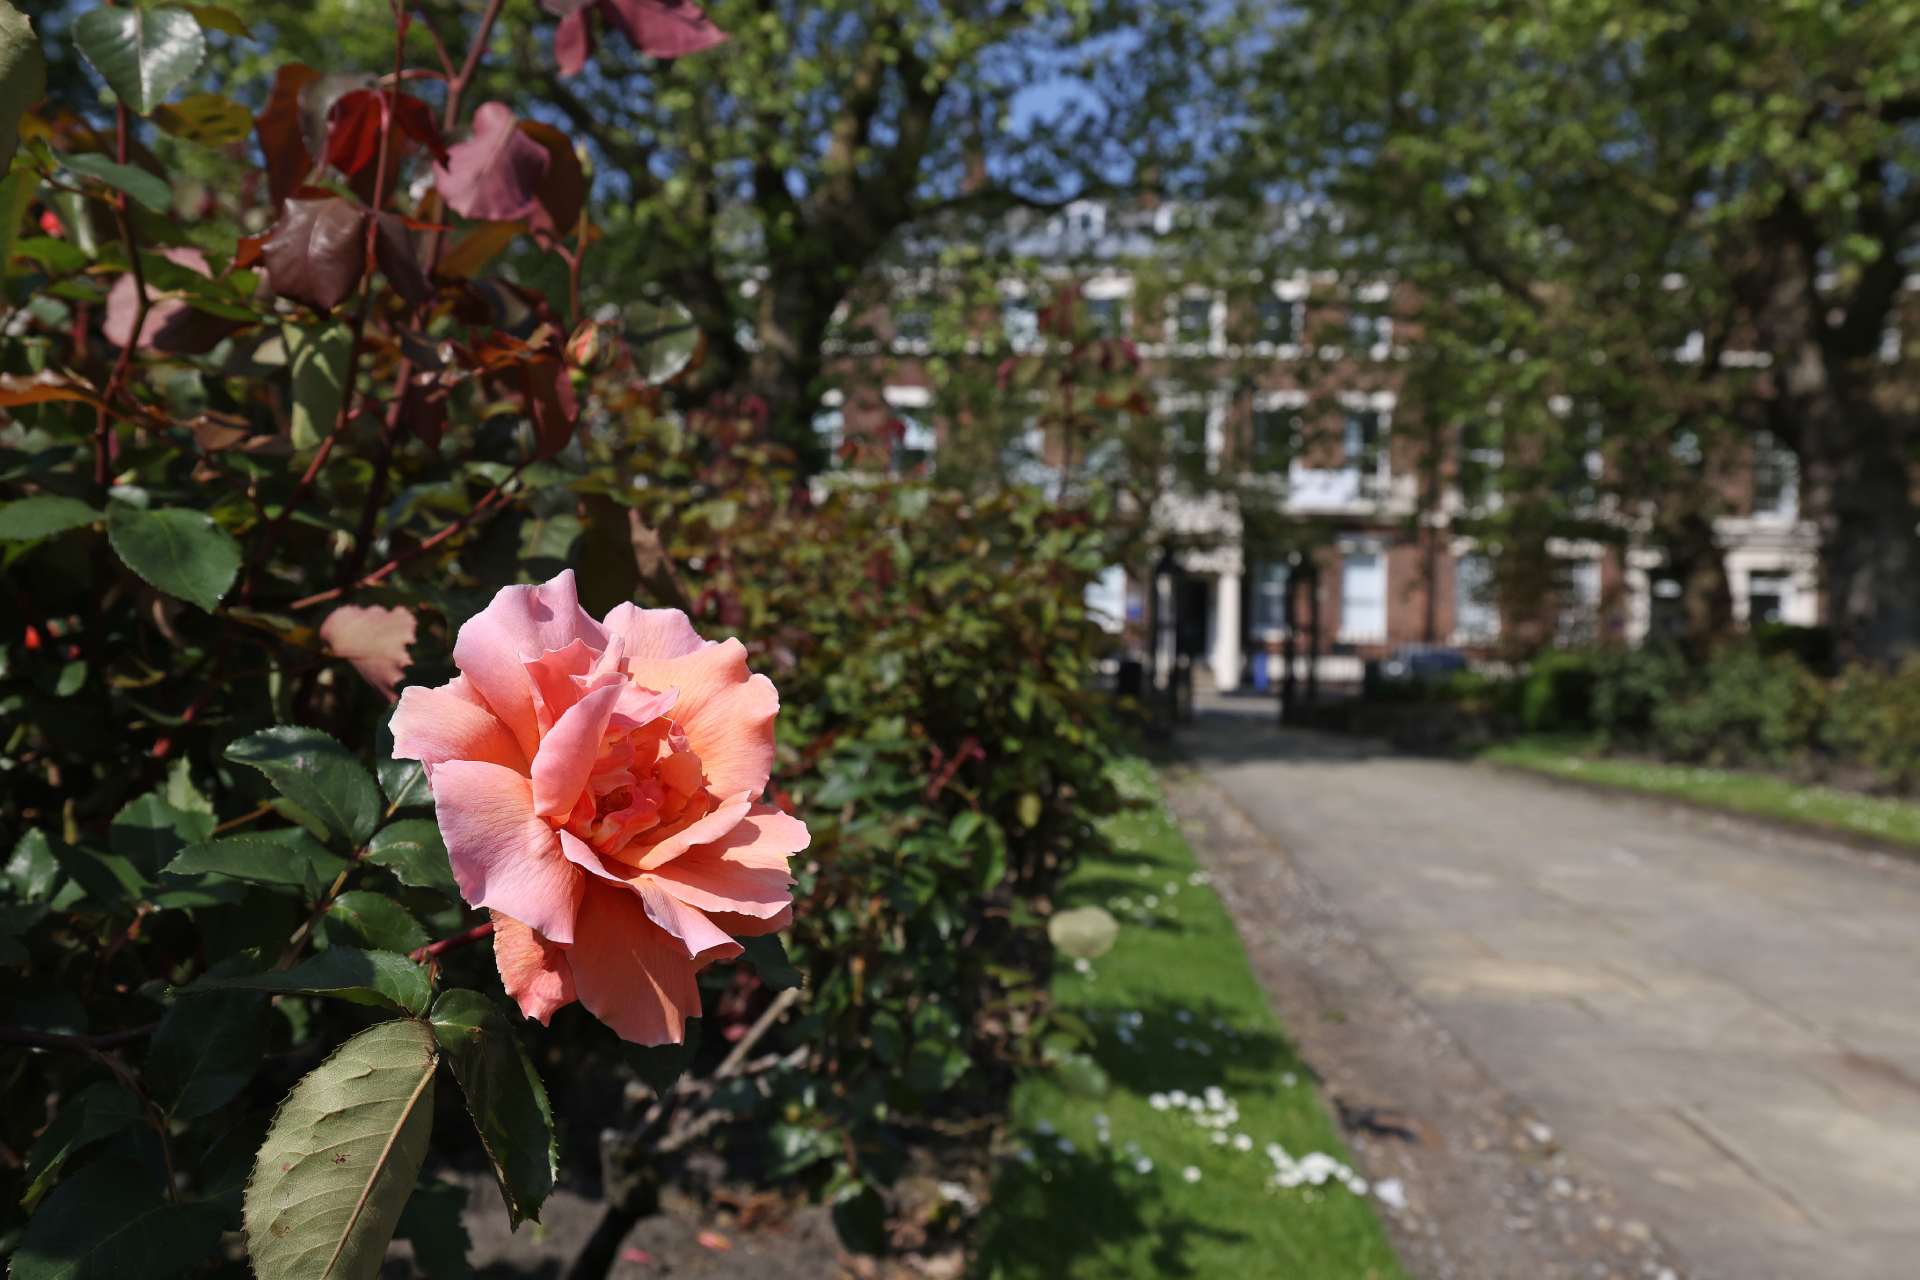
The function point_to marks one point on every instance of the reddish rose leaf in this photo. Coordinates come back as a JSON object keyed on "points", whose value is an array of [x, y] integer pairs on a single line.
{"points": [[573, 42], [414, 118], [374, 639], [393, 251], [171, 324], [282, 140], [317, 251], [563, 192], [550, 404], [246, 254], [477, 248], [496, 174], [353, 130], [566, 8], [41, 388], [423, 409], [665, 28]]}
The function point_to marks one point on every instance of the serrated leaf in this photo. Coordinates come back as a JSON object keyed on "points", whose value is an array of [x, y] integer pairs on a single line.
{"points": [[143, 54], [215, 17], [404, 783], [379, 978], [432, 1222], [413, 850], [145, 1235], [318, 774], [662, 337], [204, 1051], [182, 553], [205, 118], [31, 871], [504, 1095], [289, 858], [342, 1157], [149, 190], [23, 79], [31, 519], [318, 354], [768, 956], [96, 1112], [376, 921], [148, 831]]}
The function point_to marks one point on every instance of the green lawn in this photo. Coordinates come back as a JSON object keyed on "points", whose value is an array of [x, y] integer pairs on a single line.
{"points": [[1753, 793], [1108, 1184]]}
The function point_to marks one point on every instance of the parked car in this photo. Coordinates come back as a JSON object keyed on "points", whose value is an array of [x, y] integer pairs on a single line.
{"points": [[1416, 662]]}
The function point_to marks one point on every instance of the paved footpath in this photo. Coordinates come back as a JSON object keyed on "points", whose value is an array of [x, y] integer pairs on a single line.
{"points": [[1722, 1020]]}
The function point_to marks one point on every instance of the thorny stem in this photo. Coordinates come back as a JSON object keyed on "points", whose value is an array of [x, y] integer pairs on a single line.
{"points": [[103, 425], [457, 84], [489, 500], [434, 950]]}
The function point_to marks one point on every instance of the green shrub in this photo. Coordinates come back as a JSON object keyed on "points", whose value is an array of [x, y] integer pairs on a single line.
{"points": [[1631, 684], [1873, 720], [1556, 694], [1750, 709]]}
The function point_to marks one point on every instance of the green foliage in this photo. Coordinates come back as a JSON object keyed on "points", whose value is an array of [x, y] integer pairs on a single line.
{"points": [[143, 54], [342, 1156], [1557, 693], [504, 1095], [1873, 719], [1748, 708]]}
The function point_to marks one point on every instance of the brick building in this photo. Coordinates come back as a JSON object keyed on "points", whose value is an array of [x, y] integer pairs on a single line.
{"points": [[1285, 391]]}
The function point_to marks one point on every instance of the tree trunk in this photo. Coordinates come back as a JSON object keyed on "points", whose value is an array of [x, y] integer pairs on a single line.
{"points": [[1870, 559]]}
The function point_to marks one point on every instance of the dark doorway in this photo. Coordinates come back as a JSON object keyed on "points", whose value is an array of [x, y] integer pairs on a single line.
{"points": [[1196, 598]]}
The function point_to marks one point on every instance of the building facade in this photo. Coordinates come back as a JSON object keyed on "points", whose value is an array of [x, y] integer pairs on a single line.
{"points": [[1282, 395]]}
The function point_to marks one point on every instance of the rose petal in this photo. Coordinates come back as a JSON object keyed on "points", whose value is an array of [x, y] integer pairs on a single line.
{"points": [[534, 971], [629, 972], [521, 624], [702, 940], [726, 711], [649, 635], [744, 872], [565, 760], [436, 725], [712, 827], [503, 855]]}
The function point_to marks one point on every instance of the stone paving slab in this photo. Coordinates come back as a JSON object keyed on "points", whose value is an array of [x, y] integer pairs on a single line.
{"points": [[1723, 1019]]}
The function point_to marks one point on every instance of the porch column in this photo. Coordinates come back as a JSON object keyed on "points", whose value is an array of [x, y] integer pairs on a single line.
{"points": [[1226, 632]]}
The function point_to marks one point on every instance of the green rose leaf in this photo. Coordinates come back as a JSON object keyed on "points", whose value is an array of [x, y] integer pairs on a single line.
{"points": [[151, 191], [413, 850], [318, 774], [71, 1237], [432, 1222], [379, 978], [142, 54], [289, 858], [183, 553], [23, 77], [148, 831], [374, 920], [505, 1097], [32, 872], [204, 1052], [344, 1152], [768, 956], [96, 1112], [31, 519]]}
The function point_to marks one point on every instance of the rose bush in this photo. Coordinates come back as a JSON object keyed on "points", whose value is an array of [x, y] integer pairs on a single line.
{"points": [[598, 787]]}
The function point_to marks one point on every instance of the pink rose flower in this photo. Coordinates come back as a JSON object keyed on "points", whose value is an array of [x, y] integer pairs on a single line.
{"points": [[598, 786]]}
